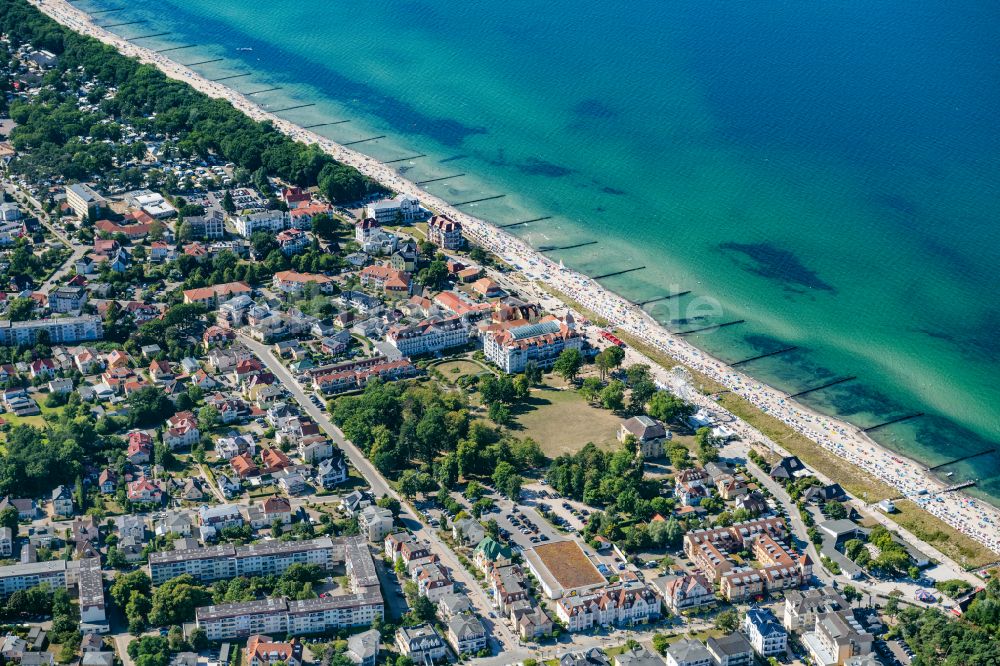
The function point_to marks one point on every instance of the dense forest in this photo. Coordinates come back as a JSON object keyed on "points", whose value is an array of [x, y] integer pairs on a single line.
{"points": [[202, 125]]}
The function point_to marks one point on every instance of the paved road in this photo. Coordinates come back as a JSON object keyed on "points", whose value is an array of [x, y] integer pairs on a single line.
{"points": [[78, 250], [381, 487]]}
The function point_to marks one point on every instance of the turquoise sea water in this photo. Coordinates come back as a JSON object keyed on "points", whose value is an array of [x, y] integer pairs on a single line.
{"points": [[829, 172]]}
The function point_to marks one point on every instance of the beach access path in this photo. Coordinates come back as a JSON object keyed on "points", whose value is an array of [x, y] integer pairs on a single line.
{"points": [[975, 518]]}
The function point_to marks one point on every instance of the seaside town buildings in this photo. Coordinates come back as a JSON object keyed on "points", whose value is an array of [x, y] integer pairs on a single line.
{"points": [[358, 607], [511, 345], [445, 232], [781, 569]]}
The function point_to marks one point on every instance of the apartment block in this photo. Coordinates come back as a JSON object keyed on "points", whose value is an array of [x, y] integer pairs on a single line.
{"points": [[213, 563], [62, 330]]}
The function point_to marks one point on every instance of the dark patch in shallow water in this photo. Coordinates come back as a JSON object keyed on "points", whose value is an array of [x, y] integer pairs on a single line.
{"points": [[534, 166], [594, 108], [775, 263], [613, 190]]}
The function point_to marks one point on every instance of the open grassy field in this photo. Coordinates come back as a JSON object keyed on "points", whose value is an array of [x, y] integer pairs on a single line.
{"points": [[561, 421]]}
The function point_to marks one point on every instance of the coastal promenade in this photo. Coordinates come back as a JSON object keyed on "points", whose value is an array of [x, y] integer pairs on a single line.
{"points": [[977, 519]]}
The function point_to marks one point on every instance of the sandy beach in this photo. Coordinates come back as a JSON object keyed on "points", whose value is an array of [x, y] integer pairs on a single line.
{"points": [[973, 517]]}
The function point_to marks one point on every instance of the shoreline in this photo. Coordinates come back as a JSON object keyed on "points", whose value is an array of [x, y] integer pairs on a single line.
{"points": [[974, 517]]}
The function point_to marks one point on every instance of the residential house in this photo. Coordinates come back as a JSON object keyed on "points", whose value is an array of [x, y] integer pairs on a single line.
{"points": [[182, 430], [220, 516], [144, 491], [62, 501], [468, 531], [263, 651], [107, 482], [687, 652], [453, 604], [229, 487], [765, 633], [421, 644], [6, 542], [687, 592], [291, 483], [354, 501], [445, 232], [293, 282], [835, 638], [490, 552], [375, 522], [332, 472], [244, 466], [639, 656], [467, 635], [788, 468], [650, 435], [363, 648], [730, 650], [385, 279]]}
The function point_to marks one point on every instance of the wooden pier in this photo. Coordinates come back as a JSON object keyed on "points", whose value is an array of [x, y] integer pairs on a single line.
{"points": [[931, 468], [335, 122], [768, 354], [621, 272], [176, 48], [472, 201], [891, 421], [663, 298], [434, 180], [292, 108], [556, 248], [404, 159], [150, 36], [517, 224], [257, 92], [232, 76], [371, 138], [116, 25], [842, 380], [713, 326]]}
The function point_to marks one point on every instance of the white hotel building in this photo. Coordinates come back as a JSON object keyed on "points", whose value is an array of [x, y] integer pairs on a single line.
{"points": [[512, 345], [429, 336]]}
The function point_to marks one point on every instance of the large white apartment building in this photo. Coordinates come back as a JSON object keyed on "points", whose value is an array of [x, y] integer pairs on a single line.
{"points": [[401, 208], [83, 574], [84, 200], [271, 221], [260, 559], [62, 330], [429, 336], [359, 607]]}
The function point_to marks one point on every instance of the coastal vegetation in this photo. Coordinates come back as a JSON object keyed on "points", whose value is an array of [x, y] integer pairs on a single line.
{"points": [[54, 130], [937, 638]]}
